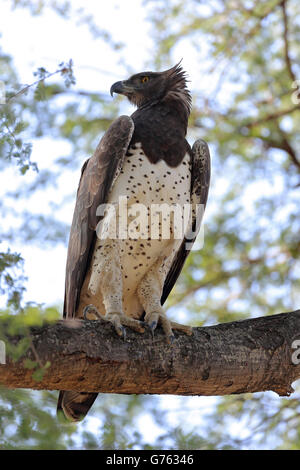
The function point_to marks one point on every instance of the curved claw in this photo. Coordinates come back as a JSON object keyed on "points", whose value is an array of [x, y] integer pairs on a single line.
{"points": [[170, 339], [153, 318], [123, 333], [152, 327], [120, 329], [86, 311]]}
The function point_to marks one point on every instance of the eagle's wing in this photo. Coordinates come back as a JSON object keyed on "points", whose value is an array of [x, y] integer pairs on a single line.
{"points": [[97, 177], [200, 179]]}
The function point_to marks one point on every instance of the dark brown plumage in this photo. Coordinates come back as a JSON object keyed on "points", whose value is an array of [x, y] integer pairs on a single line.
{"points": [[159, 126], [160, 122], [97, 176]]}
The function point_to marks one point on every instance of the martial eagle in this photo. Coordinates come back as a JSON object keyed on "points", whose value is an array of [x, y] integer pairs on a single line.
{"points": [[146, 159]]}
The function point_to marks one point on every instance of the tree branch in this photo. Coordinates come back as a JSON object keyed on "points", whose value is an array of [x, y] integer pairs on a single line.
{"points": [[286, 41], [64, 70], [272, 116], [246, 356], [288, 148], [282, 144]]}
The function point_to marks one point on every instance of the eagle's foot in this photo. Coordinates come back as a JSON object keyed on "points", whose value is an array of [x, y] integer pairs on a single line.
{"points": [[118, 319], [152, 319]]}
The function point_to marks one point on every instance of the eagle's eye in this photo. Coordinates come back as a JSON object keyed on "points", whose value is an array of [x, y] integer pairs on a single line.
{"points": [[144, 79]]}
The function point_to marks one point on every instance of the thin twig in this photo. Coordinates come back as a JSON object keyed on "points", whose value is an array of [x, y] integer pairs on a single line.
{"points": [[272, 116], [286, 42], [27, 87]]}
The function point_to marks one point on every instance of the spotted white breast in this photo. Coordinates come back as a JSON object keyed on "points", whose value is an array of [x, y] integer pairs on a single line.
{"points": [[137, 218]]}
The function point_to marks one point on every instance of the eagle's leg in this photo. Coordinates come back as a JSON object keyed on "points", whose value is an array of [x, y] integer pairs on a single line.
{"points": [[149, 292], [106, 280]]}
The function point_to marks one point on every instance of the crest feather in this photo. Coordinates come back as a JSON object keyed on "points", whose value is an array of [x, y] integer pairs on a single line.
{"points": [[177, 86]]}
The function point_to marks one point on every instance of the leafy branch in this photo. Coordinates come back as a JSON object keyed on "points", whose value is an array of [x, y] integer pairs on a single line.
{"points": [[65, 70], [19, 325], [286, 41], [12, 126]]}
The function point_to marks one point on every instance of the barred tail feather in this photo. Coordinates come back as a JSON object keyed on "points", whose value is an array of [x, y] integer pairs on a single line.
{"points": [[75, 405]]}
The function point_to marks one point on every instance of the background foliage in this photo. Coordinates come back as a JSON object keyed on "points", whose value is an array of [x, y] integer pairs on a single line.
{"points": [[246, 104]]}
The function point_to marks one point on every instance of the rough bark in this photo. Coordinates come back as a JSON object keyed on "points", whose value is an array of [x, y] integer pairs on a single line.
{"points": [[245, 356]]}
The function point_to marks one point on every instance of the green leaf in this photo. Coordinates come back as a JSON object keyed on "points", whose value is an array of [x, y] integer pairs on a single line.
{"points": [[29, 364]]}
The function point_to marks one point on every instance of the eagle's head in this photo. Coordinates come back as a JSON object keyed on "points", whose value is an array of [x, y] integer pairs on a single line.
{"points": [[152, 87]]}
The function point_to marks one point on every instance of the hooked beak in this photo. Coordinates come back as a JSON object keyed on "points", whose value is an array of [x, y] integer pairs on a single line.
{"points": [[121, 88]]}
